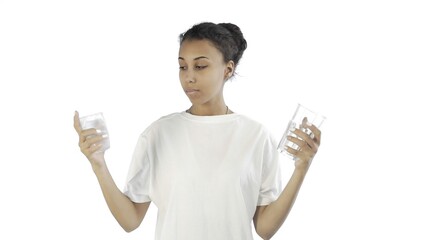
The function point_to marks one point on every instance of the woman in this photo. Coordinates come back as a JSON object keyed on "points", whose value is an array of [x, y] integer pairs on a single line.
{"points": [[210, 172]]}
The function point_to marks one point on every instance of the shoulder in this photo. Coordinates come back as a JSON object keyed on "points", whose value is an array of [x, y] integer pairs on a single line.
{"points": [[254, 124], [165, 120], [173, 117]]}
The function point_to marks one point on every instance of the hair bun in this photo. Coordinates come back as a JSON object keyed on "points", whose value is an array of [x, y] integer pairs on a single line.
{"points": [[226, 37], [237, 35]]}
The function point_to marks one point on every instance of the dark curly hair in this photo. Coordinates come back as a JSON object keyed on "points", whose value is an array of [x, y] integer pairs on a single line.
{"points": [[226, 37]]}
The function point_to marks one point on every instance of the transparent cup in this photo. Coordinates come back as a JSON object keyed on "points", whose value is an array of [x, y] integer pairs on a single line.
{"points": [[301, 114], [97, 121]]}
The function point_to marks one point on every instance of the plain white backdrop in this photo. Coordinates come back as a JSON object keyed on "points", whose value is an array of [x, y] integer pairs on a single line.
{"points": [[362, 64]]}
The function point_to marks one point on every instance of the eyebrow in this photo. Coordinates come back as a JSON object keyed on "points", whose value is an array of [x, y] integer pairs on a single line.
{"points": [[197, 58]]}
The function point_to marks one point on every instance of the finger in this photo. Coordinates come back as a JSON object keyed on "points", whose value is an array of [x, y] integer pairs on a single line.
{"points": [[299, 142], [77, 125], [90, 141], [291, 150], [87, 133], [306, 137], [98, 147], [90, 131], [92, 149], [314, 130], [304, 126], [303, 145], [95, 147]]}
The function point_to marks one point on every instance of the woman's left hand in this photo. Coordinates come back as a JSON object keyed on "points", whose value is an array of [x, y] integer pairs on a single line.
{"points": [[308, 141]]}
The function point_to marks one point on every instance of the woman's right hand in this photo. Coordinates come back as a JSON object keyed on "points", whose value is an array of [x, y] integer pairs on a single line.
{"points": [[89, 143]]}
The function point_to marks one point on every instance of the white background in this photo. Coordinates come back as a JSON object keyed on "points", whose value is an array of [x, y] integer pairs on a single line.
{"points": [[360, 63]]}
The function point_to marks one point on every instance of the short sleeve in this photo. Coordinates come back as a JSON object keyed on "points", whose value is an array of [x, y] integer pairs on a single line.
{"points": [[137, 186], [271, 181]]}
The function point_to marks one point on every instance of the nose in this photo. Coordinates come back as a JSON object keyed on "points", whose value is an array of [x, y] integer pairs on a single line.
{"points": [[189, 76]]}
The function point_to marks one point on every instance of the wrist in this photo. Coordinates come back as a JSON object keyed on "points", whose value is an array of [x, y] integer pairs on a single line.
{"points": [[302, 168], [98, 165]]}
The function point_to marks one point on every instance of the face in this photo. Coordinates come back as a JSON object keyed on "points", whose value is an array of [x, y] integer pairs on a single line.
{"points": [[202, 71]]}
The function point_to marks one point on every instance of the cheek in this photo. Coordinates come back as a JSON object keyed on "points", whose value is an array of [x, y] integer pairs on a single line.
{"points": [[211, 80], [217, 78], [214, 74], [183, 78]]}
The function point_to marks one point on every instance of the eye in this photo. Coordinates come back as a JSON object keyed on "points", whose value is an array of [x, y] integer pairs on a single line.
{"points": [[200, 67], [182, 68]]}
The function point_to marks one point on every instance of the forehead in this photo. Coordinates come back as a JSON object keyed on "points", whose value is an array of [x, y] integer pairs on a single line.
{"points": [[191, 49]]}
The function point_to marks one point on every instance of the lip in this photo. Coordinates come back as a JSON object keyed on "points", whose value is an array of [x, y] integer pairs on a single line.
{"points": [[191, 91]]}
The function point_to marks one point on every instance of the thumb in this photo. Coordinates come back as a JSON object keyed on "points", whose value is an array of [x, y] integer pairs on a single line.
{"points": [[77, 125]]}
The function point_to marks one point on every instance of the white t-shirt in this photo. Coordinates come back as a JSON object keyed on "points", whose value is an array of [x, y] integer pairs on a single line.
{"points": [[206, 175]]}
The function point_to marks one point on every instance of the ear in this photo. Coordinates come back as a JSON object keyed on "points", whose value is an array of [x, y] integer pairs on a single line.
{"points": [[229, 70]]}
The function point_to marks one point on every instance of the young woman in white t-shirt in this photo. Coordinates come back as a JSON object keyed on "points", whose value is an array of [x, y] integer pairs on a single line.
{"points": [[211, 172]]}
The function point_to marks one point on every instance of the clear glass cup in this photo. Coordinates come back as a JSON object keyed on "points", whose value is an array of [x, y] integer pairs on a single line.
{"points": [[97, 121], [296, 122]]}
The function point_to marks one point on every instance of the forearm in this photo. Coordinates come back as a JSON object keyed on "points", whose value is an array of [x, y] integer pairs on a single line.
{"points": [[122, 208], [272, 216], [128, 214]]}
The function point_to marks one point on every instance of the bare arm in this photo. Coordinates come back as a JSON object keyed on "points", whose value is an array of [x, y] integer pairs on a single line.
{"points": [[127, 213], [268, 219]]}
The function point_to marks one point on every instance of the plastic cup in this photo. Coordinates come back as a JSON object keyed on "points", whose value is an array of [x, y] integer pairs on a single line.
{"points": [[296, 122], [97, 121]]}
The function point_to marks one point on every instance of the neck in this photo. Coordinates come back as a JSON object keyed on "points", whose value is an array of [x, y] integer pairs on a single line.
{"points": [[209, 111]]}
